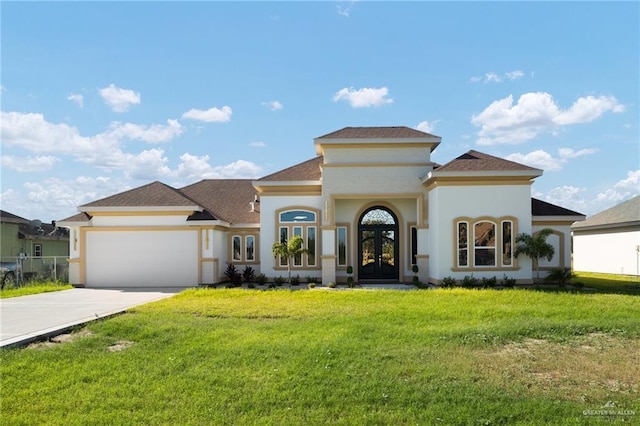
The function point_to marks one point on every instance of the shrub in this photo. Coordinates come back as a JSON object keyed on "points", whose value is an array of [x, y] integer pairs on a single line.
{"points": [[311, 280], [489, 282], [560, 276], [279, 280], [448, 282], [350, 282], [415, 269], [248, 274], [312, 285], [332, 284], [295, 280], [261, 279], [469, 281], [349, 269], [232, 274], [508, 282]]}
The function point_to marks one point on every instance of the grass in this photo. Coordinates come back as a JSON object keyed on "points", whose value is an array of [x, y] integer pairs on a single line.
{"points": [[33, 287], [609, 283], [337, 357]]}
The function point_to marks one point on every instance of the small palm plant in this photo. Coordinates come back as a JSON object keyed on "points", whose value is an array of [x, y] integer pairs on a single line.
{"points": [[536, 247], [289, 250]]}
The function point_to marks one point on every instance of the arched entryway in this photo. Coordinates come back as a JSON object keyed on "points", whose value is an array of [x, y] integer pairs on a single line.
{"points": [[378, 245]]}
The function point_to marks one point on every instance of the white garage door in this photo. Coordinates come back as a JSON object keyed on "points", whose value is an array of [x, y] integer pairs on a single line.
{"points": [[153, 258]]}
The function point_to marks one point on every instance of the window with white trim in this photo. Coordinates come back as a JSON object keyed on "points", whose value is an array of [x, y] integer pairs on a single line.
{"points": [[485, 243], [243, 248], [37, 250], [303, 223]]}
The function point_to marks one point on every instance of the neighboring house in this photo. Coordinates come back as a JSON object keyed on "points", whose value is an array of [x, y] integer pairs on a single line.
{"points": [[609, 242], [40, 245], [371, 198]]}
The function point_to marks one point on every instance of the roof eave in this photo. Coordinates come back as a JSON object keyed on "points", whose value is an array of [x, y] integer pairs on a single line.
{"points": [[133, 209], [558, 218], [587, 227], [434, 141]]}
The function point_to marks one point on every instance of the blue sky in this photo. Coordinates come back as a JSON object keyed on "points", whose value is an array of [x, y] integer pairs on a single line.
{"points": [[98, 98]]}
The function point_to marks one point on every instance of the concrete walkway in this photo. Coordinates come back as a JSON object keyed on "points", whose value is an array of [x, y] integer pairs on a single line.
{"points": [[26, 319]]}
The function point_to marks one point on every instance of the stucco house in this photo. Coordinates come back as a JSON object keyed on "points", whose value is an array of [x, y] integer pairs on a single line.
{"points": [[41, 248], [609, 242], [371, 198]]}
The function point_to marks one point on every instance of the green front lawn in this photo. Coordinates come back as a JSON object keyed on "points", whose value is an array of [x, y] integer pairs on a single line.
{"points": [[33, 287], [609, 283], [337, 357]]}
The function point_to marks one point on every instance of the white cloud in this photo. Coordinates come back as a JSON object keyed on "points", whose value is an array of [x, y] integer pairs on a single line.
{"points": [[632, 181], [40, 163], [156, 133], [77, 99], [514, 75], [503, 122], [211, 115], [570, 153], [273, 105], [539, 159], [119, 99], [543, 160], [195, 167], [34, 134], [497, 78], [147, 165], [579, 199], [366, 97], [258, 144], [426, 126], [344, 7]]}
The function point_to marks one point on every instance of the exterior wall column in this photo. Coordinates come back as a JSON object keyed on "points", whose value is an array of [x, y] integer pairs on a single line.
{"points": [[328, 257], [422, 255]]}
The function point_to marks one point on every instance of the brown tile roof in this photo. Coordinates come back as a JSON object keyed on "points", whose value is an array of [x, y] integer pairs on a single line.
{"points": [[474, 161], [154, 194], [307, 170], [626, 213], [542, 208], [400, 132], [225, 199]]}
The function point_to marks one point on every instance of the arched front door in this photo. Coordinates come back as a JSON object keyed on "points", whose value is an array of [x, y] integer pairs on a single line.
{"points": [[378, 245]]}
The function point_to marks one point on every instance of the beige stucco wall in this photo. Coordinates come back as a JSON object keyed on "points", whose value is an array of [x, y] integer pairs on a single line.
{"points": [[447, 203]]}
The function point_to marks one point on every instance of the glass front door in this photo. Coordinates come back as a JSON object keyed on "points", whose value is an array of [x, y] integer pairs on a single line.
{"points": [[378, 245]]}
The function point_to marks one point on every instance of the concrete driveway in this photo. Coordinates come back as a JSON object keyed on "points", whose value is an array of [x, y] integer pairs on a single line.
{"points": [[28, 318]]}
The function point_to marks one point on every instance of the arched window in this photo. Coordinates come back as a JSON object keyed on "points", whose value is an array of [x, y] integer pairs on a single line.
{"points": [[485, 243], [304, 223]]}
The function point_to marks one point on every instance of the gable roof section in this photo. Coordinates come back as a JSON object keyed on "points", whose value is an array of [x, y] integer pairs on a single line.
{"points": [[623, 214], [475, 161], [542, 208], [77, 219], [225, 199], [6, 217], [392, 132], [305, 171], [153, 196]]}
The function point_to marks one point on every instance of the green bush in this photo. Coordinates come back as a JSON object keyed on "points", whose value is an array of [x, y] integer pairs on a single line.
{"points": [[279, 280], [295, 280], [508, 282], [311, 280], [248, 274], [489, 282], [448, 282], [560, 276], [469, 281], [332, 284], [261, 279]]}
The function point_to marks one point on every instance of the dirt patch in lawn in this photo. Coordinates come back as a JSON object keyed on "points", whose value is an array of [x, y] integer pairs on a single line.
{"points": [[586, 368], [60, 338]]}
